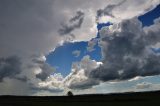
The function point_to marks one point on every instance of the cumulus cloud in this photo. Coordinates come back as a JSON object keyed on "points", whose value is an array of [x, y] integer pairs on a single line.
{"points": [[53, 83], [46, 69], [31, 75], [78, 78], [127, 51], [76, 53]]}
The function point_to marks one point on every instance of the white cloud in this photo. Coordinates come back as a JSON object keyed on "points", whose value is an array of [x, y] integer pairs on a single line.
{"points": [[143, 85], [52, 82], [36, 31], [126, 10], [80, 71], [76, 53]]}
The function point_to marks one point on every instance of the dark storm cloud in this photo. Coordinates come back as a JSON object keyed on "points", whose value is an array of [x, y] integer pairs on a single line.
{"points": [[9, 67], [128, 53], [22, 78], [46, 69], [74, 23]]}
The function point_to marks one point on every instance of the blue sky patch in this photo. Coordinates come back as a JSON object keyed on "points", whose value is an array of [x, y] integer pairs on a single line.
{"points": [[148, 18], [101, 25], [63, 57], [156, 50]]}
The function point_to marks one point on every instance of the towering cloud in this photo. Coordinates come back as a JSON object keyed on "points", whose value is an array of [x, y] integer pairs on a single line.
{"points": [[127, 51], [78, 78]]}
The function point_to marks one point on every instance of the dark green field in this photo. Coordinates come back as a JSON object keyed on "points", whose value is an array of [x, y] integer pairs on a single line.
{"points": [[123, 99]]}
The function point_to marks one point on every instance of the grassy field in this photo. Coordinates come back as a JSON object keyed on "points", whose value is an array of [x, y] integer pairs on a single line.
{"points": [[123, 99]]}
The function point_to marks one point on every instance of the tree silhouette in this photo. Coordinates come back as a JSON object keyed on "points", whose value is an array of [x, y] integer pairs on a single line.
{"points": [[69, 93]]}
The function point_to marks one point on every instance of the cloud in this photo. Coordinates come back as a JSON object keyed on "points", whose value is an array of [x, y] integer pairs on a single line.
{"points": [[53, 81], [113, 12], [74, 23], [27, 27], [107, 11], [149, 83], [143, 85], [78, 78], [11, 86], [34, 75], [36, 31], [9, 67], [52, 84], [126, 51], [91, 45], [41, 89], [46, 69], [76, 53], [29, 31], [84, 84]]}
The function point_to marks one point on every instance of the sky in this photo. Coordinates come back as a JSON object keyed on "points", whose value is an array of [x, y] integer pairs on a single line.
{"points": [[148, 18], [63, 57], [52, 46]]}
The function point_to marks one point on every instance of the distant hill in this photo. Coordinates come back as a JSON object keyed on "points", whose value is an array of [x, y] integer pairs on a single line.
{"points": [[118, 99]]}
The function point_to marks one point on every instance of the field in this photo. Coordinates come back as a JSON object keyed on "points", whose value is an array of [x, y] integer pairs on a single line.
{"points": [[122, 99]]}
